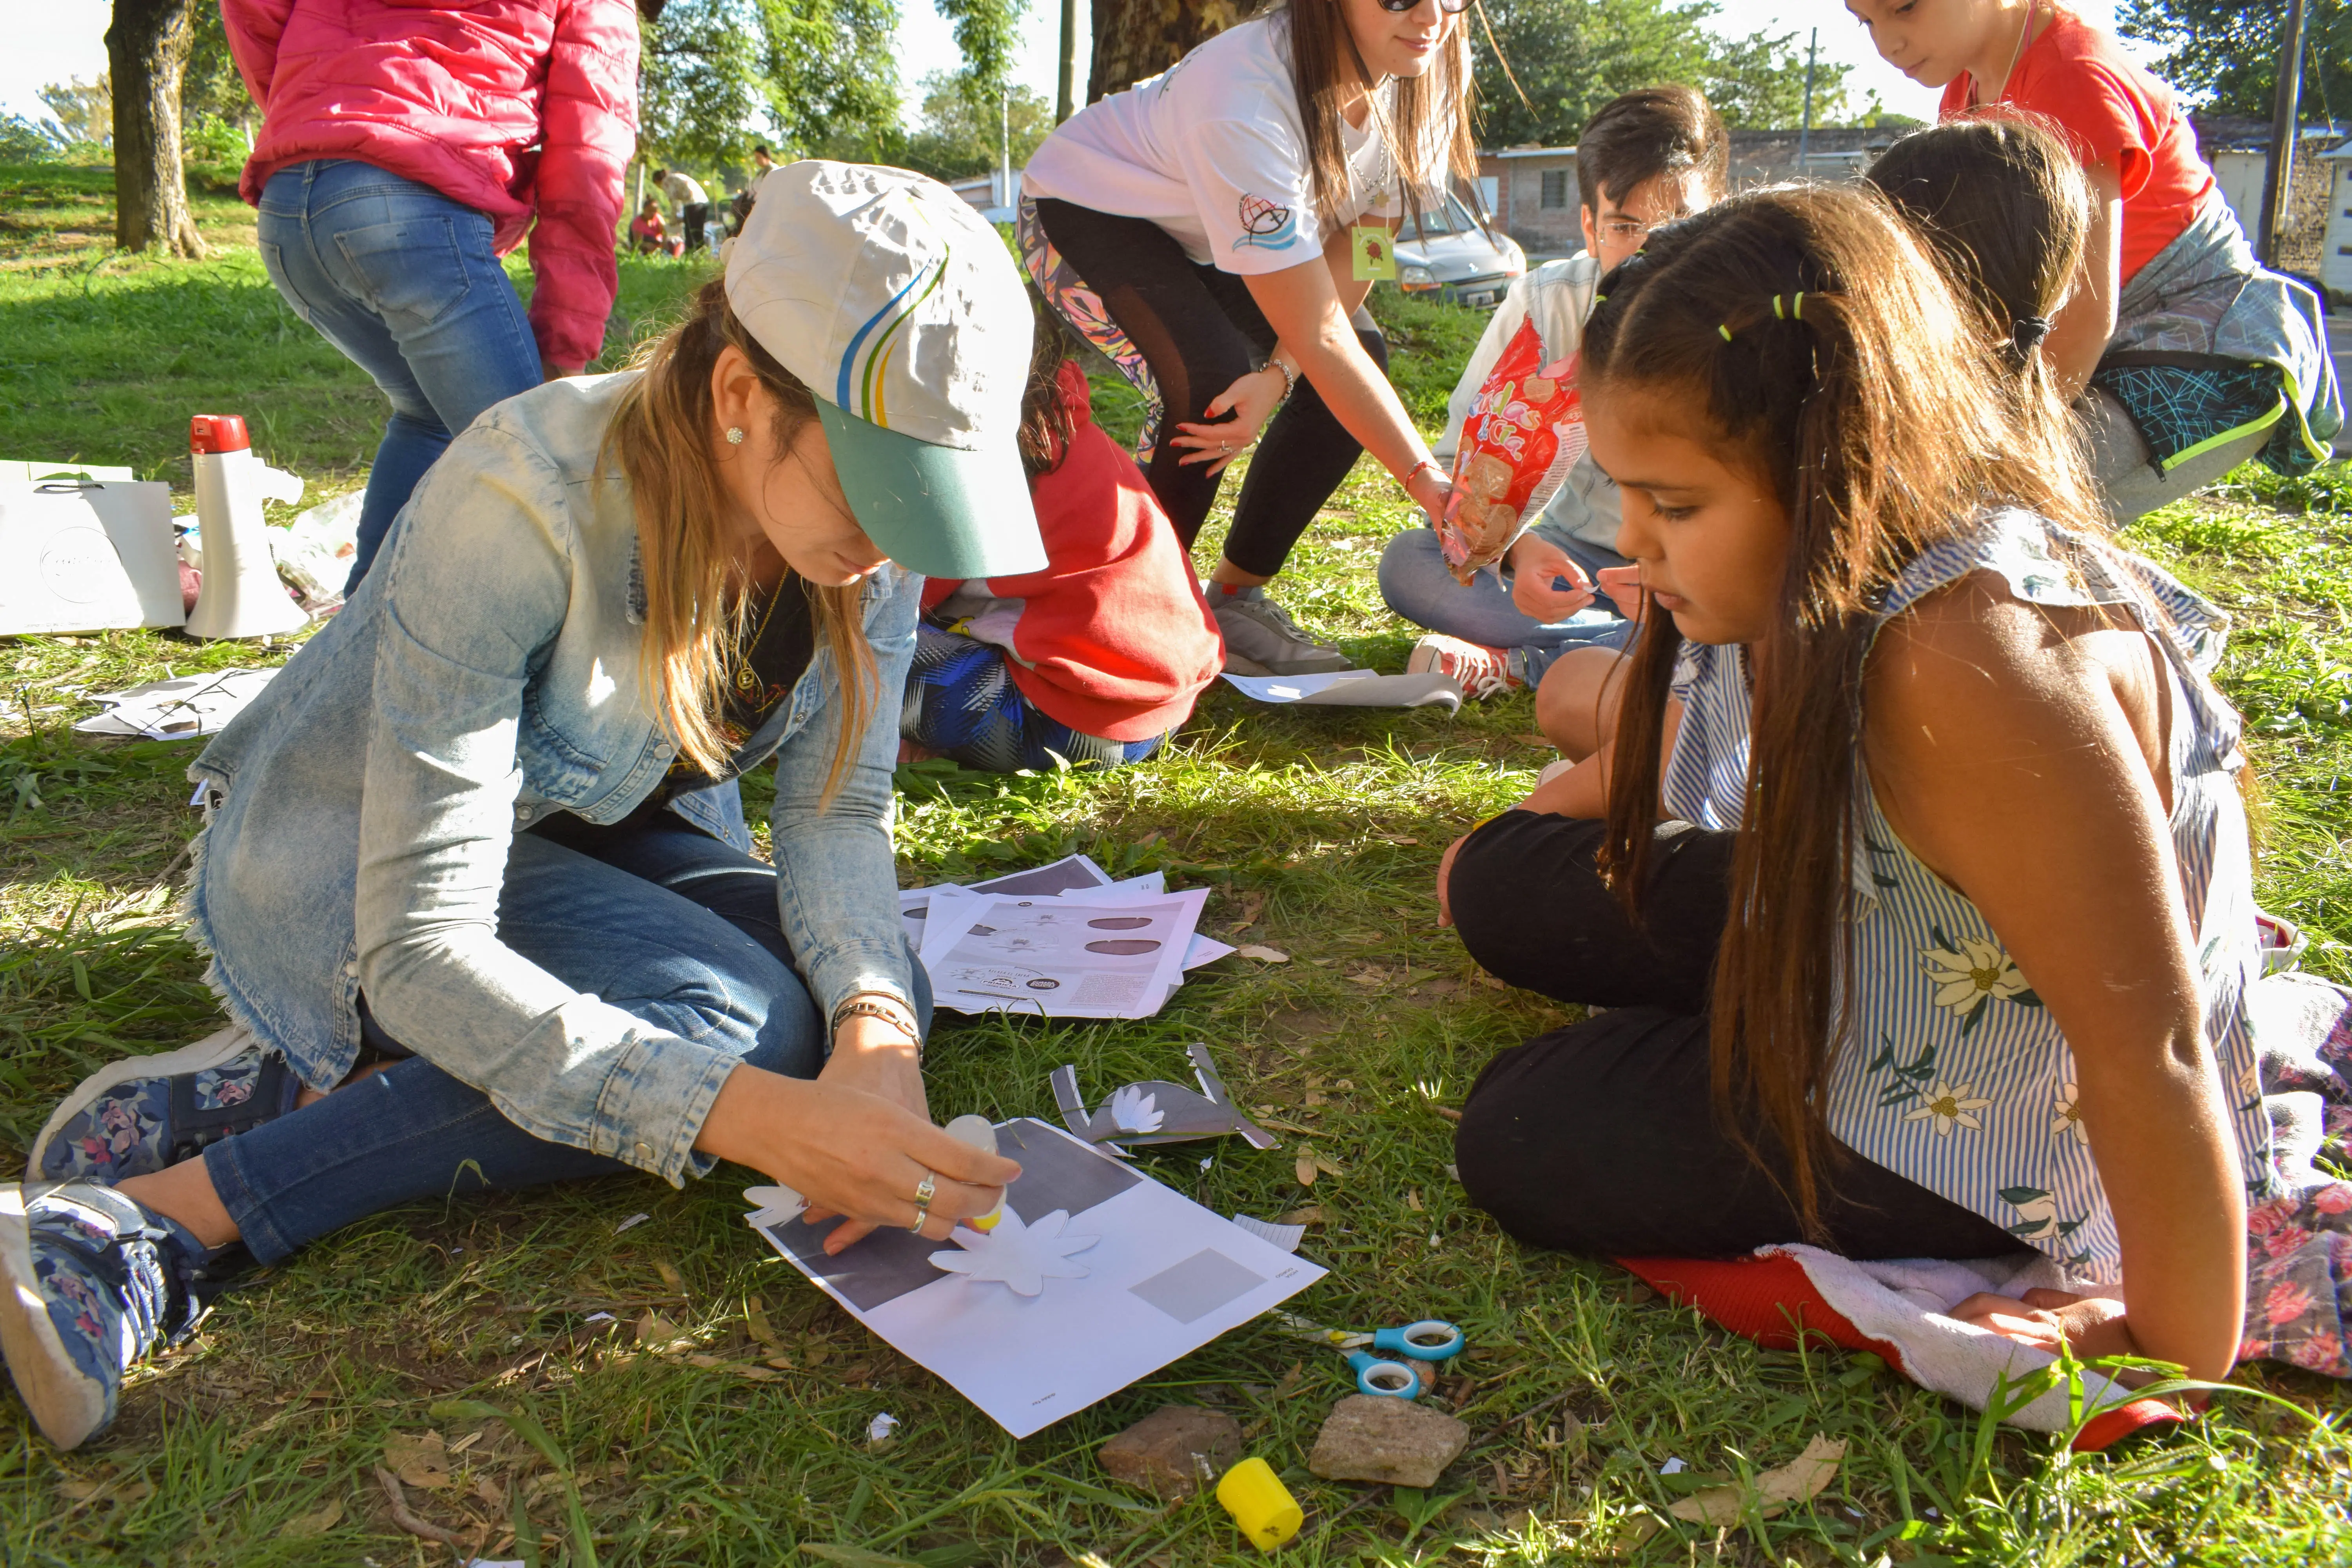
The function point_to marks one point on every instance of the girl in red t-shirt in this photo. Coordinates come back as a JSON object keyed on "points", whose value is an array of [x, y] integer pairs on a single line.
{"points": [[2187, 356]]}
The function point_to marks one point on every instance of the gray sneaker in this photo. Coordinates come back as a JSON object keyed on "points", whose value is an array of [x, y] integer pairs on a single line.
{"points": [[1261, 640]]}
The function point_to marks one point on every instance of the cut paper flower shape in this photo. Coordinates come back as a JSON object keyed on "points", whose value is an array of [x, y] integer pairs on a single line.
{"points": [[1019, 1256], [1134, 1110]]}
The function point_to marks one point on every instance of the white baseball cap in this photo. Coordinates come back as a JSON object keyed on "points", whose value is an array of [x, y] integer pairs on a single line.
{"points": [[902, 310]]}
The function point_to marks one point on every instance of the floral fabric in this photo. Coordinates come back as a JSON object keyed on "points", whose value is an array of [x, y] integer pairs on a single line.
{"points": [[1083, 309]]}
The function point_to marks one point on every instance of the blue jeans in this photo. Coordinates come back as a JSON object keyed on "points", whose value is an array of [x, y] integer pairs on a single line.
{"points": [[651, 915], [404, 282], [1419, 586], [960, 702]]}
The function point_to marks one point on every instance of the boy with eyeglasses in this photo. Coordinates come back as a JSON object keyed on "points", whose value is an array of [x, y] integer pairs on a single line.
{"points": [[1646, 159]]}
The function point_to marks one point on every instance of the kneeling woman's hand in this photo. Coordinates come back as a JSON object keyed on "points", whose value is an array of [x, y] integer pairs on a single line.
{"points": [[852, 1151]]}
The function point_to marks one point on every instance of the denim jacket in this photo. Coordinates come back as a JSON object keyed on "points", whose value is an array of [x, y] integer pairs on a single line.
{"points": [[484, 677]]}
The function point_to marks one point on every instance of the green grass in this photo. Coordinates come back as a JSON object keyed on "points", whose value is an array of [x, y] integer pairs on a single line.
{"points": [[1317, 832]]}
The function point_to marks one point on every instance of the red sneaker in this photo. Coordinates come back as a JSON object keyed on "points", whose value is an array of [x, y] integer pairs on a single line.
{"points": [[1480, 670]]}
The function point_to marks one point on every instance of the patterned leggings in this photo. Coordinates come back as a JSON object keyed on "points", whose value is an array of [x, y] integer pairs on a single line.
{"points": [[961, 703]]}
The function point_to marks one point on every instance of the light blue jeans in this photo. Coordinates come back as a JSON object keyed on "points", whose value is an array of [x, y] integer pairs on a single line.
{"points": [[652, 915], [1419, 586], [404, 282]]}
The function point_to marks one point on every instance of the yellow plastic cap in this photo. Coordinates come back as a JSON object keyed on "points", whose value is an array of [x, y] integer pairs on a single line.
{"points": [[1260, 1504]]}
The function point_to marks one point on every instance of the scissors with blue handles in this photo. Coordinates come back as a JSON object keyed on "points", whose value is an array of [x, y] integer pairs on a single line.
{"points": [[1426, 1340]]}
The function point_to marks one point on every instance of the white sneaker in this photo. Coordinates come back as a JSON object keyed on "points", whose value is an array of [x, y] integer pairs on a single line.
{"points": [[1480, 670], [1261, 640]]}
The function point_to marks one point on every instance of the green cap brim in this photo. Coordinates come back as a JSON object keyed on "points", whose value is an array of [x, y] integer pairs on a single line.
{"points": [[943, 512]]}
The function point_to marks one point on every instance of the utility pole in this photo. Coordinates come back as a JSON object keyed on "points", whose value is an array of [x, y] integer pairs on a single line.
{"points": [[1065, 100], [1805, 131], [2279, 178], [1004, 102]]}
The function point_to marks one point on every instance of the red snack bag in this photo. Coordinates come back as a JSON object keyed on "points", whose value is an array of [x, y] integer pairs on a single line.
{"points": [[1519, 441]]}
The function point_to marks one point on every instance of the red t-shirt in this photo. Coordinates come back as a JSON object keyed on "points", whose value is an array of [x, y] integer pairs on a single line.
{"points": [[1114, 639], [2113, 112]]}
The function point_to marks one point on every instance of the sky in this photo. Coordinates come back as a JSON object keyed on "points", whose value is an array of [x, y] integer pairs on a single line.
{"points": [[62, 39]]}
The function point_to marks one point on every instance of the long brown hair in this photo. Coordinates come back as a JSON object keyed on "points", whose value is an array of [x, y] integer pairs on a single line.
{"points": [[2002, 204], [1880, 418], [1434, 113], [697, 596]]}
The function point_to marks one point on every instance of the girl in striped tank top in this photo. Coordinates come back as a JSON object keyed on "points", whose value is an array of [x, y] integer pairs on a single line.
{"points": [[1942, 942]]}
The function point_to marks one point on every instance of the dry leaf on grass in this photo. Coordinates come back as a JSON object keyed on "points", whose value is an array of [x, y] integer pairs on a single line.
{"points": [[1326, 1164], [670, 1277], [1262, 954], [318, 1521], [107, 1490], [418, 1458], [1311, 1214], [1306, 1168], [657, 1332], [755, 1318], [397, 1503], [1774, 1490]]}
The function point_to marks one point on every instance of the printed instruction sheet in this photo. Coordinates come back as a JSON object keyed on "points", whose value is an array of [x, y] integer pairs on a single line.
{"points": [[1163, 1277]]}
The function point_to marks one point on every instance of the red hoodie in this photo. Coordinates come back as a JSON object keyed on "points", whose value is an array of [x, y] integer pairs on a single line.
{"points": [[1114, 639], [519, 109]]}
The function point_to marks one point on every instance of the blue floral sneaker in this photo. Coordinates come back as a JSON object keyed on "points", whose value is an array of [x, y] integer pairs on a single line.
{"points": [[136, 1116], [89, 1283]]}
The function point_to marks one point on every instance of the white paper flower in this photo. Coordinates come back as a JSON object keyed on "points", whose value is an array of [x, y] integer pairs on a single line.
{"points": [[1133, 1110], [1020, 1256], [1949, 1104], [2066, 1114], [1964, 979]]}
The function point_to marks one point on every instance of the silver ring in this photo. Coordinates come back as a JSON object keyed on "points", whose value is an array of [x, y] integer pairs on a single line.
{"points": [[922, 1218], [926, 1192]]}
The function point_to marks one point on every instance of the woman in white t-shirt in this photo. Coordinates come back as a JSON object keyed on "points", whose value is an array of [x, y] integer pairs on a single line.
{"points": [[1214, 230]]}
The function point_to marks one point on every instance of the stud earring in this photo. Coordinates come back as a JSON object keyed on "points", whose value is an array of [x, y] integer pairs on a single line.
{"points": [[734, 434]]}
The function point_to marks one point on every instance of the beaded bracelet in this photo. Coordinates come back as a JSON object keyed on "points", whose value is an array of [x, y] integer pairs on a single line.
{"points": [[891, 1013], [1289, 381]]}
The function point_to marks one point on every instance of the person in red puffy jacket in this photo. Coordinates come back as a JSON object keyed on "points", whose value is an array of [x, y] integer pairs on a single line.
{"points": [[407, 145]]}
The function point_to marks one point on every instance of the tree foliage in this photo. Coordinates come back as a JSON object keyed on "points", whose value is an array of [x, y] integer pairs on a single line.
{"points": [[1571, 56], [85, 110], [2224, 56], [962, 128], [987, 32], [808, 76]]}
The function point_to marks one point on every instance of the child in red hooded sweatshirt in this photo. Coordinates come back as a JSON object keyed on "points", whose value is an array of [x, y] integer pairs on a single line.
{"points": [[1096, 658]]}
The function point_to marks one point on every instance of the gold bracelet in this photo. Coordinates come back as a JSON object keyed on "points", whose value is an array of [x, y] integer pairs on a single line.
{"points": [[865, 1006]]}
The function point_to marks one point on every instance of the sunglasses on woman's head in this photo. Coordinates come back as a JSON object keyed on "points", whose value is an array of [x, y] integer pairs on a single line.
{"points": [[1451, 8]]}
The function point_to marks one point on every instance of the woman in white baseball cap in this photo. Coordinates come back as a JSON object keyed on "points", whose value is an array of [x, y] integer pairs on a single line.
{"points": [[476, 879]]}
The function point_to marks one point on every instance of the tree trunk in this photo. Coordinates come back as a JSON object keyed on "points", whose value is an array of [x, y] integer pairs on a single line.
{"points": [[146, 52], [1136, 38]]}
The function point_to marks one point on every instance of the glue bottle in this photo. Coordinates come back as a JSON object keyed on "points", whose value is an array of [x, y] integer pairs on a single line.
{"points": [[241, 596], [981, 1133], [1260, 1504]]}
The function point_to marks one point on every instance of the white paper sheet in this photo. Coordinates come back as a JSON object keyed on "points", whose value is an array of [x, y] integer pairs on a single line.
{"points": [[178, 710], [1059, 958], [1292, 688], [1164, 1277]]}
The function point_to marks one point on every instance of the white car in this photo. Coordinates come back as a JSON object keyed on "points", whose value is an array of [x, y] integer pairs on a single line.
{"points": [[1448, 257]]}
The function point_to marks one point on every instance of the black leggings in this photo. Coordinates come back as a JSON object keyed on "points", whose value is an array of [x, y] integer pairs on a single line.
{"points": [[1200, 331], [1600, 1138]]}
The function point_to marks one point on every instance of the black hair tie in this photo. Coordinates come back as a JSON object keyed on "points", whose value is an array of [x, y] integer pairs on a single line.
{"points": [[2027, 332]]}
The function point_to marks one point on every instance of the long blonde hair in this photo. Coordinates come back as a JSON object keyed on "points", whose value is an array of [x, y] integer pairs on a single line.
{"points": [[1433, 112], [696, 603]]}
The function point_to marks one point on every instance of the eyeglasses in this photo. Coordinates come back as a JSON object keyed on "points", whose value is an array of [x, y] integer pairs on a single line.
{"points": [[1625, 228], [1451, 8]]}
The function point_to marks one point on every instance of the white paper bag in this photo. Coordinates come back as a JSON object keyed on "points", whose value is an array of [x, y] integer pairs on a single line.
{"points": [[87, 557]]}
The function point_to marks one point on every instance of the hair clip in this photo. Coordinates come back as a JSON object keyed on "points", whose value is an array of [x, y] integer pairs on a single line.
{"points": [[1793, 310], [1725, 331]]}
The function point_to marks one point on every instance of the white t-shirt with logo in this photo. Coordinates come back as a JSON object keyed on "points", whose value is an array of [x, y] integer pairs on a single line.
{"points": [[1213, 151]]}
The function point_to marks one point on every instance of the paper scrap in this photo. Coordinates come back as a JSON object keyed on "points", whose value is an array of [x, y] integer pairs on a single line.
{"points": [[882, 1428], [1774, 1490], [599, 1317], [1286, 1237], [1205, 949], [633, 1219], [1293, 688], [1673, 1467], [1017, 1255], [177, 710]]}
